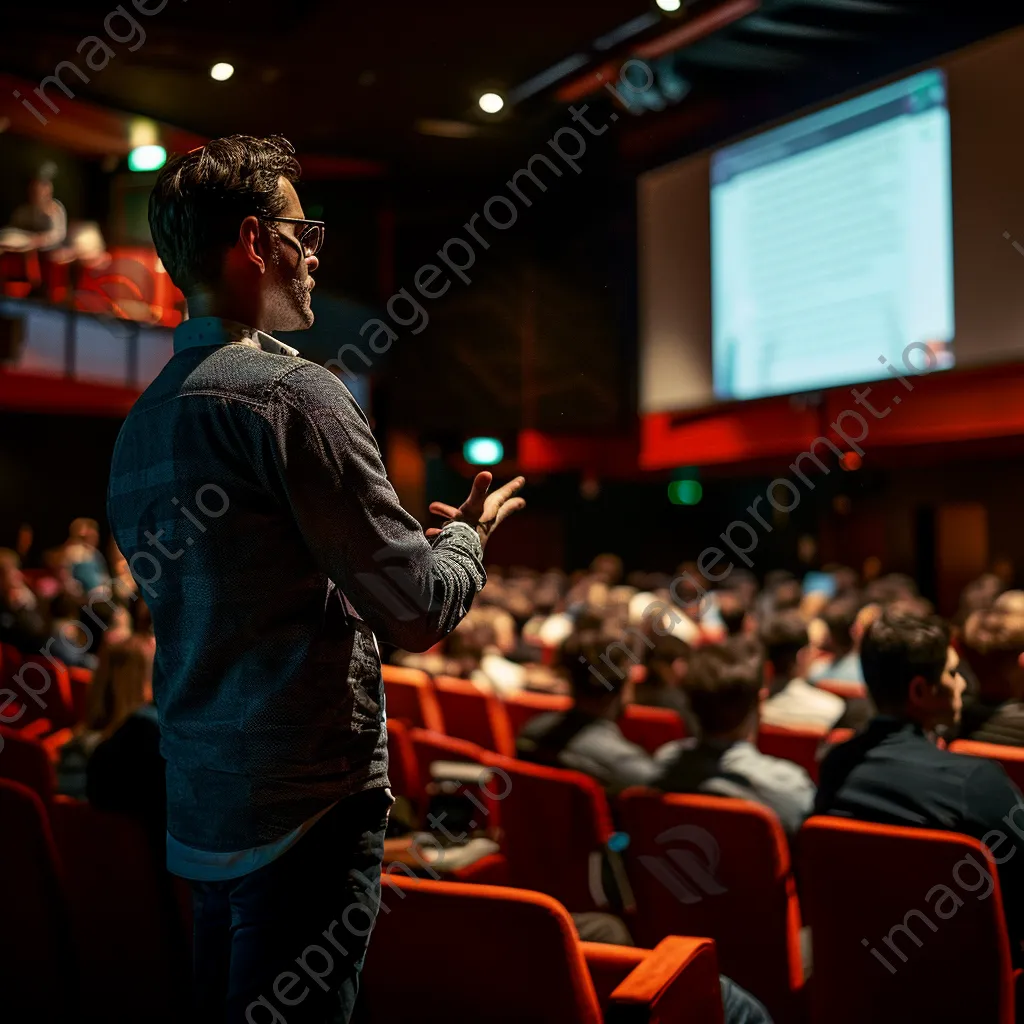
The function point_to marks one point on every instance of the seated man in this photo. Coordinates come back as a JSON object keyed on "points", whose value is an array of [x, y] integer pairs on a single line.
{"points": [[893, 774], [793, 703], [845, 627], [994, 639], [666, 662], [723, 686], [586, 738]]}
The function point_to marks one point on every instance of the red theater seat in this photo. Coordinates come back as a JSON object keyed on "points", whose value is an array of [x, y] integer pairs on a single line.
{"points": [[875, 889], [473, 715], [837, 736], [37, 961], [704, 865], [122, 914], [649, 727], [432, 746], [801, 746], [26, 761], [1011, 758], [81, 681], [403, 771], [43, 687], [409, 695], [521, 707], [20, 274], [555, 827], [510, 956]]}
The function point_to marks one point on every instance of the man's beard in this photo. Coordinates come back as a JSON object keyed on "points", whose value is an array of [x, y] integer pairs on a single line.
{"points": [[301, 295], [291, 306]]}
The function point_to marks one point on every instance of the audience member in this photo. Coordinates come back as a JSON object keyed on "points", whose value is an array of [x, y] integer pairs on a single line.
{"points": [[894, 774], [665, 663], [21, 622], [978, 595], [121, 688], [793, 703], [723, 686], [586, 738], [994, 641], [843, 664], [40, 223], [733, 611], [84, 560]]}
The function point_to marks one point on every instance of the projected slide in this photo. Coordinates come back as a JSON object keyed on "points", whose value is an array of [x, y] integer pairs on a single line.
{"points": [[832, 244]]}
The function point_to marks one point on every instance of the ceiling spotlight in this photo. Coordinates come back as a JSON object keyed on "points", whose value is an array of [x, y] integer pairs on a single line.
{"points": [[670, 6], [491, 103], [222, 72]]}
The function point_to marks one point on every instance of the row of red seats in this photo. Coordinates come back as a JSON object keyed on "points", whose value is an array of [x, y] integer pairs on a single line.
{"points": [[89, 920], [459, 709], [858, 881], [50, 695], [74, 951], [720, 868], [132, 286]]}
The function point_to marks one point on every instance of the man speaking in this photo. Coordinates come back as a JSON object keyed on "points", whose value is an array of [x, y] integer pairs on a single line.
{"points": [[248, 495]]}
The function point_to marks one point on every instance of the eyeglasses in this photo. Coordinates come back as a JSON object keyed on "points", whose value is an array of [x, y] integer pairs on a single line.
{"points": [[311, 237]]}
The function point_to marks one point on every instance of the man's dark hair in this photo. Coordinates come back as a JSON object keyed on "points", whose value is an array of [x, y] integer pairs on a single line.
{"points": [[784, 634], [894, 586], [839, 615], [611, 658], [786, 595], [732, 610], [664, 650], [201, 198], [897, 648], [994, 638], [723, 684]]}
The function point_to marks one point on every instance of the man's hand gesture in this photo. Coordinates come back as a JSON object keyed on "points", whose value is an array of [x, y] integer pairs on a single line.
{"points": [[481, 510]]}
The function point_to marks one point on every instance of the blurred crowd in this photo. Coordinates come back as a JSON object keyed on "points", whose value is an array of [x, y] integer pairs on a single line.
{"points": [[862, 670], [82, 610], [643, 630]]}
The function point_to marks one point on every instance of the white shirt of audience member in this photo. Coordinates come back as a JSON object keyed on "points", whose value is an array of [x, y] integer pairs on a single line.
{"points": [[684, 628]]}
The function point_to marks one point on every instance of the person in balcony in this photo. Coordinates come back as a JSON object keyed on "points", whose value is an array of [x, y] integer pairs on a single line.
{"points": [[41, 223]]}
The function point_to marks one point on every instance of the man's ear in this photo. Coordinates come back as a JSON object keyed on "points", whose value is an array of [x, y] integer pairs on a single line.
{"points": [[251, 242], [919, 692], [1020, 659]]}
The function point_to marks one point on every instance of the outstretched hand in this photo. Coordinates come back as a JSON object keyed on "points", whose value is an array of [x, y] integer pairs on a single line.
{"points": [[481, 510]]}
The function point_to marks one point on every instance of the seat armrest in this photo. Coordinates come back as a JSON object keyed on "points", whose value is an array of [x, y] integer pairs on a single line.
{"points": [[489, 870], [677, 981], [55, 741], [610, 965], [38, 729]]}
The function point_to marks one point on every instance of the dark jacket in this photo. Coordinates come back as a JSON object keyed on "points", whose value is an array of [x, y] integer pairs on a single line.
{"points": [[994, 723], [893, 774], [248, 495]]}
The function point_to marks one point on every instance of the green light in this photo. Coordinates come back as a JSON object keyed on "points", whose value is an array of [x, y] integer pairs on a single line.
{"points": [[685, 492], [483, 451], [147, 158]]}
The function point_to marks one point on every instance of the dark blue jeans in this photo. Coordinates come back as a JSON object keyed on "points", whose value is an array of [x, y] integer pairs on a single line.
{"points": [[285, 944]]}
